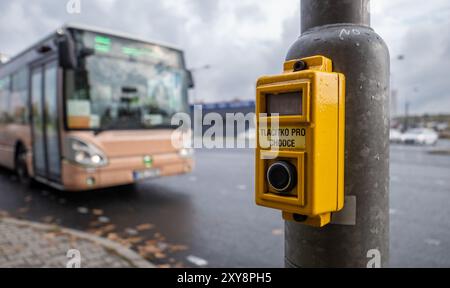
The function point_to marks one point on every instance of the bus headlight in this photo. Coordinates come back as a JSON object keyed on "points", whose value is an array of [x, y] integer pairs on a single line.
{"points": [[186, 152], [84, 154]]}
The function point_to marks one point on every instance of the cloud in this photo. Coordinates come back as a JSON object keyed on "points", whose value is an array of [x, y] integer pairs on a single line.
{"points": [[242, 40], [420, 31]]}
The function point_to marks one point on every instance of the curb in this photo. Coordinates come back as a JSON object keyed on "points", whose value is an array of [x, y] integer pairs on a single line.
{"points": [[132, 257]]}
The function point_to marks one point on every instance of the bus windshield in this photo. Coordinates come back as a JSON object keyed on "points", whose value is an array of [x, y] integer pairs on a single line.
{"points": [[123, 84]]}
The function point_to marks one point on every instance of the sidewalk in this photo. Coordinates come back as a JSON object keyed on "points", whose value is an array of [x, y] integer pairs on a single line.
{"points": [[25, 244]]}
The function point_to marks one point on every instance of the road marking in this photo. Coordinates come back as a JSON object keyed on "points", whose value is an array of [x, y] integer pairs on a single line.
{"points": [[197, 260], [242, 187], [394, 212], [432, 242]]}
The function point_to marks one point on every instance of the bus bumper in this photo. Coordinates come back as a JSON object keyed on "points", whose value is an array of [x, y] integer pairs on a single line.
{"points": [[123, 171]]}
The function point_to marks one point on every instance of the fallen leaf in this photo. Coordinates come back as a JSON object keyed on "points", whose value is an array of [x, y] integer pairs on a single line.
{"points": [[134, 240], [179, 265], [103, 219], [149, 249], [23, 210], [83, 210], [160, 255], [47, 219], [131, 232], [102, 230], [113, 236], [108, 228], [4, 214], [151, 242], [97, 212], [96, 232], [163, 246], [144, 227], [176, 248], [49, 235], [95, 224]]}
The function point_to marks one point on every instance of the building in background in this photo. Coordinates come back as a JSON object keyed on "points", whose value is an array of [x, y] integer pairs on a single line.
{"points": [[394, 103], [222, 108]]}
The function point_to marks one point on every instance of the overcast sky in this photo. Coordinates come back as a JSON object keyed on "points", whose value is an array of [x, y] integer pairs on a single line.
{"points": [[244, 39]]}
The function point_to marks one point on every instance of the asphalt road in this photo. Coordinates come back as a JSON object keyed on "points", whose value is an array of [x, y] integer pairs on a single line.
{"points": [[210, 214]]}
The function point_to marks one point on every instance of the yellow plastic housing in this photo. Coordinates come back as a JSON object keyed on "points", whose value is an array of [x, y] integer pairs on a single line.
{"points": [[318, 153]]}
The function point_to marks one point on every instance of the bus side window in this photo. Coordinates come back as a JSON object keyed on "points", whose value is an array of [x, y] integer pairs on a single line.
{"points": [[18, 102], [4, 99]]}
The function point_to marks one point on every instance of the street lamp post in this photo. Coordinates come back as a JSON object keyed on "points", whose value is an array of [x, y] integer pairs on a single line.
{"points": [[193, 72]]}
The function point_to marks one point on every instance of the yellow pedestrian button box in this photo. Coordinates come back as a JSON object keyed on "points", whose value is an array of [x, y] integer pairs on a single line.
{"points": [[300, 141]]}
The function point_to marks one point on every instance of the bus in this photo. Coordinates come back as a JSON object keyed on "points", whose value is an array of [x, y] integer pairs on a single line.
{"points": [[87, 108]]}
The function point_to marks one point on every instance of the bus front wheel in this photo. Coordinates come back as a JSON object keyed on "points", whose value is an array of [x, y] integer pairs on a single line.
{"points": [[21, 166]]}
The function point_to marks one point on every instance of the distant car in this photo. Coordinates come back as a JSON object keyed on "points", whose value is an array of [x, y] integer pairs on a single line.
{"points": [[395, 136], [441, 126], [422, 136]]}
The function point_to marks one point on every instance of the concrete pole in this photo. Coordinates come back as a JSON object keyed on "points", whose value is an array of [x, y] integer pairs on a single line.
{"points": [[339, 30]]}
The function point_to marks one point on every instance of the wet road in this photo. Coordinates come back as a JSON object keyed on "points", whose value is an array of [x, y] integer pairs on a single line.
{"points": [[420, 207], [210, 214]]}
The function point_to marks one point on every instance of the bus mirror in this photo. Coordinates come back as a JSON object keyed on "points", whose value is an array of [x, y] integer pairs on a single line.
{"points": [[190, 79], [44, 49], [86, 52], [129, 90], [66, 52]]}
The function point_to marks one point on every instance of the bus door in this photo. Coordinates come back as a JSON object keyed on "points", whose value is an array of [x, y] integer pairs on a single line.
{"points": [[45, 128]]}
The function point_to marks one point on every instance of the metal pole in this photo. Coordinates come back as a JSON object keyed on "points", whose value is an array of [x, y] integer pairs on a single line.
{"points": [[339, 30]]}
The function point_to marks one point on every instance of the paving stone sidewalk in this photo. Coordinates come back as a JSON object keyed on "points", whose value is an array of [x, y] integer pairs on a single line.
{"points": [[25, 244]]}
